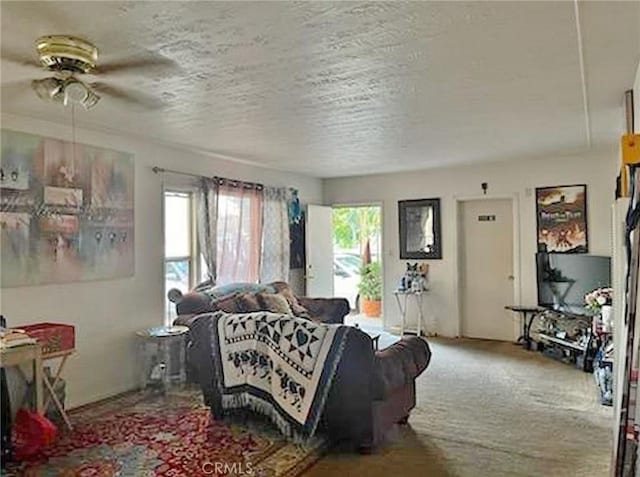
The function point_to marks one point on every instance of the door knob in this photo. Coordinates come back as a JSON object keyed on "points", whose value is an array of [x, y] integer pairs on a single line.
{"points": [[309, 275], [511, 277]]}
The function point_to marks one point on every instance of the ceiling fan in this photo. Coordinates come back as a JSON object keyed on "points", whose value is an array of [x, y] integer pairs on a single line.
{"points": [[69, 58]]}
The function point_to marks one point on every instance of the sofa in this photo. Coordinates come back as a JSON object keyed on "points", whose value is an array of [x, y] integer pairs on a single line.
{"points": [[370, 392], [205, 299]]}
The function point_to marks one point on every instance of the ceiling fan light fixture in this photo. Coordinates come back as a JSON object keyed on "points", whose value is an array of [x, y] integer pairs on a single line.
{"points": [[90, 100], [47, 88], [74, 92]]}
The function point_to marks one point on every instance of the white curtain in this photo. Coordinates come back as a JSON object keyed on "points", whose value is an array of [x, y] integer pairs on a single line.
{"points": [[207, 223], [274, 263], [239, 233]]}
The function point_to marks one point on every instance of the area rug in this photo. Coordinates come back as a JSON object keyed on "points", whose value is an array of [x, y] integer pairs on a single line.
{"points": [[143, 435]]}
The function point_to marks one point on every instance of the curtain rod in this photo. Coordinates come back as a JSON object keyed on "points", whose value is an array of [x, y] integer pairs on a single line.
{"points": [[159, 170], [221, 180]]}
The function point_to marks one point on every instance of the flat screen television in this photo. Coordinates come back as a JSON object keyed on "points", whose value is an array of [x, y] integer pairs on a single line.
{"points": [[564, 279]]}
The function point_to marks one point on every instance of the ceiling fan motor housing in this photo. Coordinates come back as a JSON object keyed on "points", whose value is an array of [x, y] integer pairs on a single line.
{"points": [[66, 53]]}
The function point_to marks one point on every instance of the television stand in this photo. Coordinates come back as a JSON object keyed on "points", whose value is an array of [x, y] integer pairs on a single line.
{"points": [[527, 315], [569, 351]]}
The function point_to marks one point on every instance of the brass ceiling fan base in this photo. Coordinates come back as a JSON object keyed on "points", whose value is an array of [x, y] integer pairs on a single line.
{"points": [[66, 53]]}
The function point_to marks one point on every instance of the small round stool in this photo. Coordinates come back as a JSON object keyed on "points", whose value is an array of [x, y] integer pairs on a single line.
{"points": [[162, 355]]}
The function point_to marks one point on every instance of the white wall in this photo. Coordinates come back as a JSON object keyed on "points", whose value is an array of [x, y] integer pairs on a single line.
{"points": [[515, 177], [107, 313]]}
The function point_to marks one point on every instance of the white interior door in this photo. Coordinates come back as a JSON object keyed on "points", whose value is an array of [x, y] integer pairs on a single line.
{"points": [[319, 243], [486, 268]]}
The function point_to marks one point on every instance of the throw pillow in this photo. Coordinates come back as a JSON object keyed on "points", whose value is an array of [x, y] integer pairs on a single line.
{"points": [[249, 303], [296, 307], [274, 303], [230, 305]]}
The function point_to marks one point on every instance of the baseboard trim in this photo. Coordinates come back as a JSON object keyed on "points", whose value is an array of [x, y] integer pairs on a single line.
{"points": [[104, 398]]}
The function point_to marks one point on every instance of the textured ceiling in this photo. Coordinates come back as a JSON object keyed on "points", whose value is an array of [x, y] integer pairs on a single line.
{"points": [[334, 89]]}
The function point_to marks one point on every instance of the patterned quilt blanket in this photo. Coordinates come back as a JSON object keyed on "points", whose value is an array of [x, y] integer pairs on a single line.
{"points": [[277, 365]]}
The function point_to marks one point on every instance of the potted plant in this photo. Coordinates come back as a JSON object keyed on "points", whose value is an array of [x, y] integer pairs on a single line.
{"points": [[370, 289]]}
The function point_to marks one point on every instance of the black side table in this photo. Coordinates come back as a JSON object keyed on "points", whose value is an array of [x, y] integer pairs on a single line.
{"points": [[527, 315]]}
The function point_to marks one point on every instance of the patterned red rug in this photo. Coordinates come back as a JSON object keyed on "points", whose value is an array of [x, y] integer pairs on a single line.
{"points": [[172, 436]]}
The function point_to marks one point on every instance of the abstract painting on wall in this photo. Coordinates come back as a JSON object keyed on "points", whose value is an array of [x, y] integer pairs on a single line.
{"points": [[66, 211], [562, 219]]}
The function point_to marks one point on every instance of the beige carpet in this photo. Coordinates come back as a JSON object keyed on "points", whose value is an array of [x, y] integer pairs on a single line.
{"points": [[492, 409]]}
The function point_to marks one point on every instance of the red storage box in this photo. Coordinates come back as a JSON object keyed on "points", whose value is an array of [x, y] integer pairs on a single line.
{"points": [[52, 337]]}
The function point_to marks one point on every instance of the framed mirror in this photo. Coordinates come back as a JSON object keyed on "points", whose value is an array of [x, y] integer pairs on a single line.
{"points": [[420, 233]]}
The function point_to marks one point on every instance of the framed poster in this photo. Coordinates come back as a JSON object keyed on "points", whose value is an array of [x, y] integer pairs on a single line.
{"points": [[420, 236], [562, 219]]}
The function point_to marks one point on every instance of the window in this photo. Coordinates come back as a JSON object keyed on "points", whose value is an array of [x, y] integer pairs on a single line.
{"points": [[239, 234], [239, 237], [179, 245]]}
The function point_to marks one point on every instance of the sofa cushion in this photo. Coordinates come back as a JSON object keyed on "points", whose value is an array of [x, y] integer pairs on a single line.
{"points": [[399, 364], [194, 303], [274, 303], [248, 303], [296, 307], [221, 292], [324, 310], [230, 305]]}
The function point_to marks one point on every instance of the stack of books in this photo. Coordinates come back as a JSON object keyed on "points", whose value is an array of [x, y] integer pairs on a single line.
{"points": [[10, 338]]}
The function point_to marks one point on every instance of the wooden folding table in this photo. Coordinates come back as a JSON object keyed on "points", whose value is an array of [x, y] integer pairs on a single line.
{"points": [[51, 384], [19, 355]]}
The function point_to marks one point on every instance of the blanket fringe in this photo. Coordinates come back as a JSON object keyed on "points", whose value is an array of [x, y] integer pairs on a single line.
{"points": [[265, 408]]}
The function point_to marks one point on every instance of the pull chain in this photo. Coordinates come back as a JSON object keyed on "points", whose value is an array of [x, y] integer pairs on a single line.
{"points": [[73, 133]]}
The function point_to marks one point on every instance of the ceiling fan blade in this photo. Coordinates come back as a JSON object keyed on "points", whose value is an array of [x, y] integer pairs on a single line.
{"points": [[148, 63], [16, 84], [15, 89], [19, 59], [131, 97]]}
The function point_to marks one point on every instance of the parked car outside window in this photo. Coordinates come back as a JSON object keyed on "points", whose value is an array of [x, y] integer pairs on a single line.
{"points": [[346, 276]]}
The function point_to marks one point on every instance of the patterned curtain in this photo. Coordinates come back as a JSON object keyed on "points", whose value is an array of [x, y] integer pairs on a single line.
{"points": [[274, 265], [207, 220], [239, 233]]}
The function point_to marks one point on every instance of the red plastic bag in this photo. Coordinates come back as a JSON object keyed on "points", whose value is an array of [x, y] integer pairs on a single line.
{"points": [[31, 433]]}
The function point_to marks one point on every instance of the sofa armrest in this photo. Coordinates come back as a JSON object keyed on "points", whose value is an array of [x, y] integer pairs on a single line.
{"points": [[194, 303], [184, 320], [199, 353], [400, 364], [348, 412], [326, 310]]}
